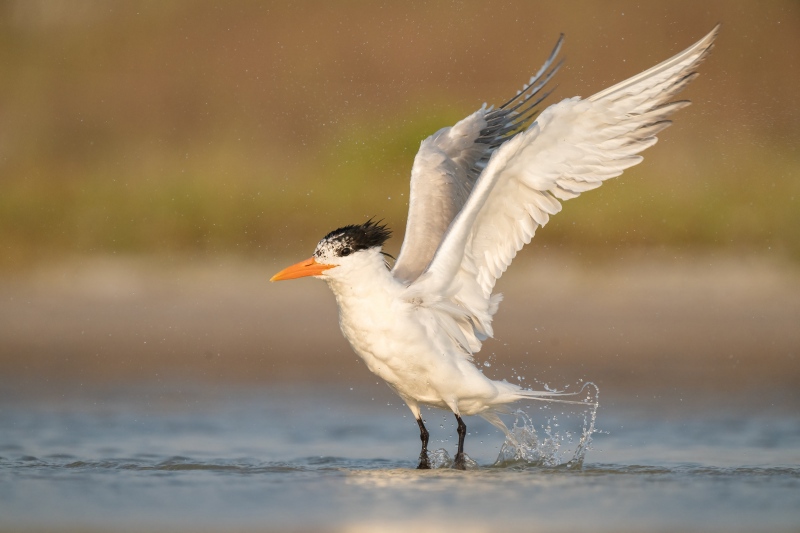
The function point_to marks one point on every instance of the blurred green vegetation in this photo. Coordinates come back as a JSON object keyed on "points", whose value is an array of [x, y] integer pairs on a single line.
{"points": [[254, 128]]}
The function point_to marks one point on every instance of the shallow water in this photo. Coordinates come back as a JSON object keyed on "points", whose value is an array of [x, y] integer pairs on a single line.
{"points": [[306, 458]]}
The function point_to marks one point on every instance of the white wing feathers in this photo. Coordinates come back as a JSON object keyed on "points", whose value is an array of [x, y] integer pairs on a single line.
{"points": [[572, 147]]}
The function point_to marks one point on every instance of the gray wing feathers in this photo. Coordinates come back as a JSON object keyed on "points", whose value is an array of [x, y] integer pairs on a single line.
{"points": [[449, 163], [441, 181]]}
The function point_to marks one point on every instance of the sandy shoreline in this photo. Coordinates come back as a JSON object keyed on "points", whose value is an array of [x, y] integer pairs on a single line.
{"points": [[649, 323]]}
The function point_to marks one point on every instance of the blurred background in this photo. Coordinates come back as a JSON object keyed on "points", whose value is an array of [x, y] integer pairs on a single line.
{"points": [[160, 161]]}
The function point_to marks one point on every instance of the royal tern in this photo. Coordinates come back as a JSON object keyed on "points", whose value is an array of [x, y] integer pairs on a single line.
{"points": [[479, 190]]}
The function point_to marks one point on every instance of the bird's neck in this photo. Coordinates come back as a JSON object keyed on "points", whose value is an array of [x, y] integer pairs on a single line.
{"points": [[365, 279]]}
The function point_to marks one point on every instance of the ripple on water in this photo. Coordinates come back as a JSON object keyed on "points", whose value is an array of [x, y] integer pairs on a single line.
{"points": [[379, 466]]}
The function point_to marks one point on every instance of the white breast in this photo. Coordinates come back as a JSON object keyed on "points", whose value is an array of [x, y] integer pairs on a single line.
{"points": [[425, 369], [382, 331], [398, 341]]}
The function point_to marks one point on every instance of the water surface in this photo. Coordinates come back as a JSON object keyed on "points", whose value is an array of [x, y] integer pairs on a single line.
{"points": [[341, 458]]}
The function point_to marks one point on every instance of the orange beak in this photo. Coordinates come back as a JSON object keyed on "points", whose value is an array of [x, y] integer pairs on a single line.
{"points": [[309, 267]]}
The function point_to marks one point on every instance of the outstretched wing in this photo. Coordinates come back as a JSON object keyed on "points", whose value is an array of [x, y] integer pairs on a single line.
{"points": [[572, 147], [448, 165]]}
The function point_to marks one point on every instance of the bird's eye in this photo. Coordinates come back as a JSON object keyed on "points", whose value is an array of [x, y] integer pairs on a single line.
{"points": [[346, 252]]}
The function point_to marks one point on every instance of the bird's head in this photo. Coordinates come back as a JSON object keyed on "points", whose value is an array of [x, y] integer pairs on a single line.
{"points": [[339, 247]]}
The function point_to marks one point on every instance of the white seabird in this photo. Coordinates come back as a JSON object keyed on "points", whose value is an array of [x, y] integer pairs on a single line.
{"points": [[479, 191]]}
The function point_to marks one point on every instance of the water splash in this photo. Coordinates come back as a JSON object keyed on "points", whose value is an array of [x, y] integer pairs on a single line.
{"points": [[555, 446], [441, 459]]}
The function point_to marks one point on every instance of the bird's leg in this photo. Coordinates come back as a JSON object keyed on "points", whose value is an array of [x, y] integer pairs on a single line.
{"points": [[423, 455], [460, 462]]}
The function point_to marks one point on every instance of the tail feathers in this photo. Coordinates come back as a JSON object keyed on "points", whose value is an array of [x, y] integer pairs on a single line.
{"points": [[589, 391]]}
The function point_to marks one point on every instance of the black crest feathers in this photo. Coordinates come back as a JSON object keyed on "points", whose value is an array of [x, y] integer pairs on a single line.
{"points": [[358, 237]]}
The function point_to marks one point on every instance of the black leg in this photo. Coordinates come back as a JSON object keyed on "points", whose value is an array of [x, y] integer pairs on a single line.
{"points": [[423, 455], [461, 462]]}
